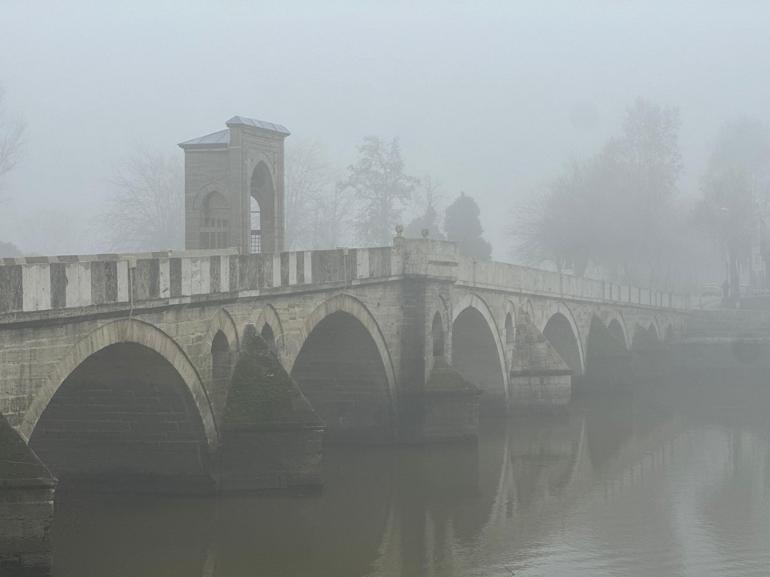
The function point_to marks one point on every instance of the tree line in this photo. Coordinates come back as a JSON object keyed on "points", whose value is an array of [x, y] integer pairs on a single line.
{"points": [[622, 213]]}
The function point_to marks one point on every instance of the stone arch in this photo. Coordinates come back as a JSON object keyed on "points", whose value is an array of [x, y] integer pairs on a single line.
{"points": [[575, 358], [355, 308], [476, 302], [268, 316], [223, 321], [123, 331], [482, 364], [616, 324], [345, 370]]}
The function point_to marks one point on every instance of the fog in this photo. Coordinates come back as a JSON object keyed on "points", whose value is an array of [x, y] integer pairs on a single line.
{"points": [[489, 99], [317, 383]]}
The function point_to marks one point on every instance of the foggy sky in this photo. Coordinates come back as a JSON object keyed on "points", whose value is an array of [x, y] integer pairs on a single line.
{"points": [[491, 98]]}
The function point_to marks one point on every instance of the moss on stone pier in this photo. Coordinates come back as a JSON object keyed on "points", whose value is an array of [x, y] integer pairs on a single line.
{"points": [[262, 393]]}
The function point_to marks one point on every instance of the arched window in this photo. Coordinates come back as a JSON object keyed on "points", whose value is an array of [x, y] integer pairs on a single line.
{"points": [[214, 229], [437, 332], [510, 334]]}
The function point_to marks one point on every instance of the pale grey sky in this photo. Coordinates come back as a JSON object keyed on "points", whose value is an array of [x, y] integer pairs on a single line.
{"points": [[487, 97]]}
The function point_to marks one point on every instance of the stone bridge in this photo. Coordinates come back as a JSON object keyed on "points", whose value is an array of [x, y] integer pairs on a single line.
{"points": [[136, 351], [123, 368]]}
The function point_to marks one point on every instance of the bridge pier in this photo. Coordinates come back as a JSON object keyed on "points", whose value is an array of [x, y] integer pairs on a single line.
{"points": [[539, 377], [26, 508], [447, 408], [272, 437]]}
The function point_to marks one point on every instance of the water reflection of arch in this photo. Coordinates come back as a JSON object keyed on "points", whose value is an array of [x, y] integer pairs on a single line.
{"points": [[443, 500], [460, 508], [127, 536], [546, 470], [340, 532]]}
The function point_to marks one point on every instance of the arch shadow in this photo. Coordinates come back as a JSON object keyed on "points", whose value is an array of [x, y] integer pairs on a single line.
{"points": [[121, 332]]}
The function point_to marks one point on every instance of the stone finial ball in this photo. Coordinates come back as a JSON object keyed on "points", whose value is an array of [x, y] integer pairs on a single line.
{"points": [[399, 229]]}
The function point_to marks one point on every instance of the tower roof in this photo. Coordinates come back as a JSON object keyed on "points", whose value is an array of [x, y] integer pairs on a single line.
{"points": [[218, 139], [263, 124], [221, 138]]}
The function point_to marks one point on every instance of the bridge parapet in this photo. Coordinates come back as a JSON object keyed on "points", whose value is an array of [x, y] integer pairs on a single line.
{"points": [[70, 282], [496, 275]]}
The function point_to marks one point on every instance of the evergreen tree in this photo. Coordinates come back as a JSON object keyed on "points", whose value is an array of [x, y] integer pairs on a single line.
{"points": [[463, 226]]}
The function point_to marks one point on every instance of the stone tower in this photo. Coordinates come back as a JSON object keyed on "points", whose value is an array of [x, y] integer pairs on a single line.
{"points": [[234, 194]]}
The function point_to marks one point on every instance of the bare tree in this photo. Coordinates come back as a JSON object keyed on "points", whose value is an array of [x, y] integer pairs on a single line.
{"points": [[381, 189], [316, 216], [554, 227], [11, 139], [332, 216], [614, 209], [736, 189], [146, 209]]}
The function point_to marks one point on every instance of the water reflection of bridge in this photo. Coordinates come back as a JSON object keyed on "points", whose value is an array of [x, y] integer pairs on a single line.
{"points": [[421, 511], [530, 480]]}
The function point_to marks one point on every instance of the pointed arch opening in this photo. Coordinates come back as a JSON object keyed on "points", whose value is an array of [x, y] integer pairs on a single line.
{"points": [[261, 210], [221, 362]]}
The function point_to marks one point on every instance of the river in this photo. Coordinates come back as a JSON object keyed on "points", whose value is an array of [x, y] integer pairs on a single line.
{"points": [[663, 482]]}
